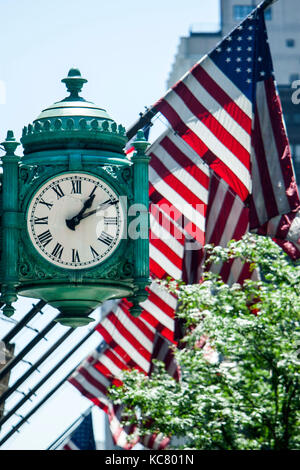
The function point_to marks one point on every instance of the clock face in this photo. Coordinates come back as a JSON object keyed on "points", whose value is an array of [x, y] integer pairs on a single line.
{"points": [[75, 220]]}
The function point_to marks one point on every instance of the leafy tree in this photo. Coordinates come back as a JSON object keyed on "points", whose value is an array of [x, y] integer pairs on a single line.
{"points": [[246, 395]]}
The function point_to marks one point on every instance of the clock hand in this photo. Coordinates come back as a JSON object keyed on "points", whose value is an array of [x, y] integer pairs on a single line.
{"points": [[71, 223], [101, 207]]}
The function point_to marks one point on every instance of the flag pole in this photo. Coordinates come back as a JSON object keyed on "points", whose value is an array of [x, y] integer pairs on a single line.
{"points": [[63, 435], [33, 410], [149, 114], [13, 362], [31, 392], [8, 392], [23, 322], [266, 4], [144, 119]]}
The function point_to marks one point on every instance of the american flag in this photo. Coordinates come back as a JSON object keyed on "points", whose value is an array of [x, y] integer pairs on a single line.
{"points": [[227, 109], [83, 436], [102, 369]]}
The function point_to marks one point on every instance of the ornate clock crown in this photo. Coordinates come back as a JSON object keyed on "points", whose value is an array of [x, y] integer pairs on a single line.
{"points": [[73, 123]]}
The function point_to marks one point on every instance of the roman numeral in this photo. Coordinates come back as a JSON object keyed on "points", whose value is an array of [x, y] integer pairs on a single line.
{"points": [[94, 252], [76, 187], [45, 238], [41, 201], [58, 250], [59, 192], [105, 238], [41, 220], [75, 256], [110, 220], [93, 191]]}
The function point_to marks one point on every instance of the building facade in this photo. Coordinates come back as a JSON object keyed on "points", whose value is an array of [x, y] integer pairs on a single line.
{"points": [[283, 24]]}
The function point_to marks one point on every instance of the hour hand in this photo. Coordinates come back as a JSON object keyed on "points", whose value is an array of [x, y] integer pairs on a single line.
{"points": [[74, 221], [101, 207]]}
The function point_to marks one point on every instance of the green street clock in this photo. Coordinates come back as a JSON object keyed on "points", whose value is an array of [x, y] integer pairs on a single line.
{"points": [[64, 207]]}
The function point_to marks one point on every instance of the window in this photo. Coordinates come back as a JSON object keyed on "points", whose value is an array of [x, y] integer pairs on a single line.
{"points": [[268, 14], [296, 153], [290, 43], [294, 77], [241, 11]]}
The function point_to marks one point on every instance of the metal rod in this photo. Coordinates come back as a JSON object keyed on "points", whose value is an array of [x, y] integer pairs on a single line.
{"points": [[44, 379], [34, 367], [26, 319], [141, 122], [60, 438], [15, 322], [266, 3], [31, 412], [13, 362]]}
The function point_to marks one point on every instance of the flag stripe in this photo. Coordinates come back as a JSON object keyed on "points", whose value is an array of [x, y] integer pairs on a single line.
{"points": [[184, 155], [233, 172], [129, 336], [282, 145], [86, 390], [206, 139], [222, 98], [159, 214], [177, 160], [162, 232], [178, 202], [267, 197], [157, 312], [195, 196], [89, 381], [168, 266], [167, 251], [178, 180], [209, 119], [228, 86], [227, 218]]}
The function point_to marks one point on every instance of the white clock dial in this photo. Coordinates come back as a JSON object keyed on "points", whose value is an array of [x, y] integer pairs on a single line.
{"points": [[75, 220]]}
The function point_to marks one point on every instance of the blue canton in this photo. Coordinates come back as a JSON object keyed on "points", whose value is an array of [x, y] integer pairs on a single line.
{"points": [[101, 347], [244, 55], [83, 436]]}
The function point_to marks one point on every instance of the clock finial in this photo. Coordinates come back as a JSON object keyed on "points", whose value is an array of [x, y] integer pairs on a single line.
{"points": [[74, 83]]}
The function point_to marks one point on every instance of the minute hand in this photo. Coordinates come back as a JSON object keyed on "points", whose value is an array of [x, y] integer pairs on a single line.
{"points": [[102, 206], [71, 223]]}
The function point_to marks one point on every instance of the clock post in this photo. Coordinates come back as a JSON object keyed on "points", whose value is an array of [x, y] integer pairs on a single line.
{"points": [[141, 198], [65, 232], [10, 223]]}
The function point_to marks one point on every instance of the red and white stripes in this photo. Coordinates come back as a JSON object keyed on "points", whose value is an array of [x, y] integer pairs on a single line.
{"points": [[179, 183], [274, 187], [227, 219], [102, 369], [220, 135]]}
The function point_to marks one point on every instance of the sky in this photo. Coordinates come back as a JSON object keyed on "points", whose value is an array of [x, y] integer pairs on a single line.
{"points": [[125, 49]]}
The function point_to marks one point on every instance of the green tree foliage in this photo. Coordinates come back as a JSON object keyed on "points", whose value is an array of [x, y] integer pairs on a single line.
{"points": [[243, 393]]}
